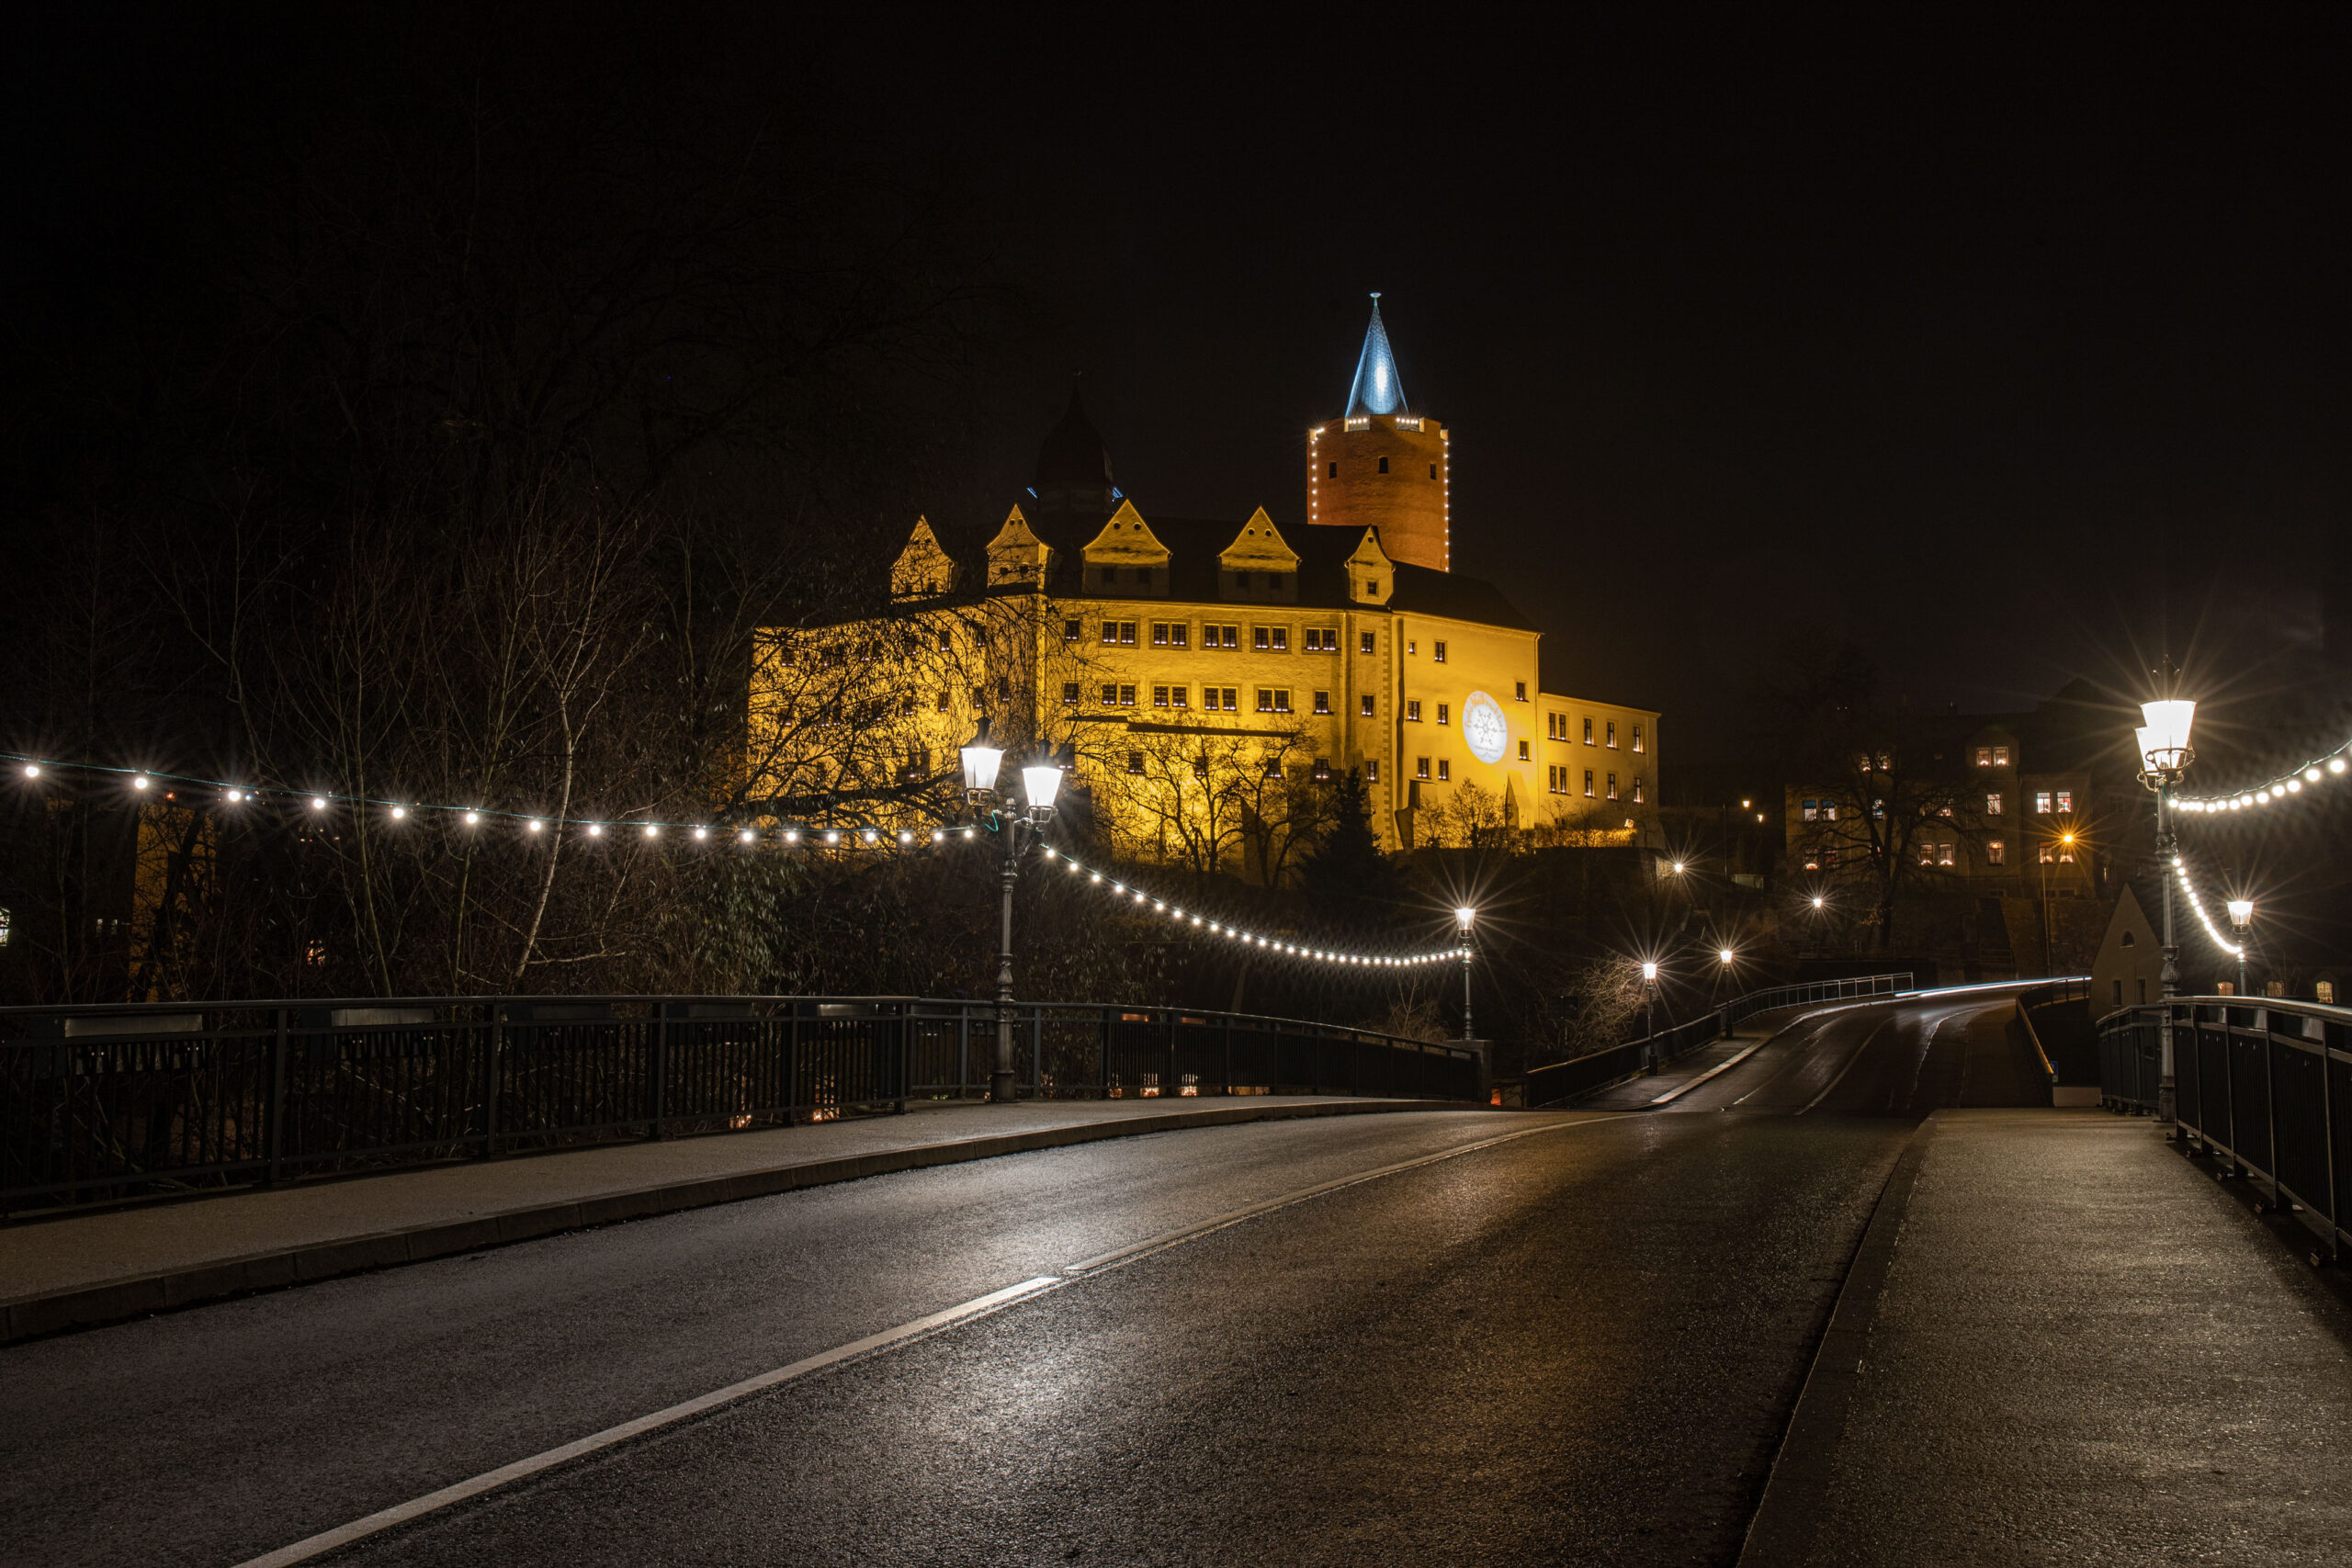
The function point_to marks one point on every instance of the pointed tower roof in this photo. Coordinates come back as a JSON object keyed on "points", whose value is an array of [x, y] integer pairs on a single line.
{"points": [[1073, 466], [1378, 388]]}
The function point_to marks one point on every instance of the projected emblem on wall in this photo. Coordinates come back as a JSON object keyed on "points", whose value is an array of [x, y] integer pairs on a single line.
{"points": [[1484, 728]]}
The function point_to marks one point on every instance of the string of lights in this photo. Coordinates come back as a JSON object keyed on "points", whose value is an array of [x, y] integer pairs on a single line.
{"points": [[324, 803], [2180, 872], [2319, 770], [1177, 915]]}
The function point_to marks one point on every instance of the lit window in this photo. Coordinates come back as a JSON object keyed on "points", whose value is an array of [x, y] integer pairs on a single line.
{"points": [[1367, 708], [1111, 631], [1637, 738], [1413, 710], [1993, 803], [1830, 811], [1372, 771], [1259, 635], [1522, 691], [1070, 696], [1322, 701], [1135, 762], [1364, 640], [1281, 700], [1126, 697], [1159, 696], [1612, 735], [1072, 631], [1110, 694], [1444, 713], [2065, 800], [1232, 700], [1984, 756], [2000, 756], [1588, 734], [1265, 699], [1412, 645], [1944, 855], [1637, 789], [1322, 769], [1437, 652], [1176, 695], [1180, 635], [1322, 639], [2049, 851], [1587, 783], [2041, 803], [2326, 989], [1420, 767], [1612, 786], [1444, 770], [1522, 751], [1927, 854], [1159, 634], [1220, 637], [1995, 852], [1811, 809], [2066, 854]]}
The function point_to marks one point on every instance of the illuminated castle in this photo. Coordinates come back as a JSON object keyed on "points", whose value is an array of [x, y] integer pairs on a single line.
{"points": [[1214, 675]]}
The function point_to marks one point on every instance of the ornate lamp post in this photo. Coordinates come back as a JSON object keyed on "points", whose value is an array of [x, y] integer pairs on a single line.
{"points": [[2242, 918], [1649, 1006], [1041, 782], [1463, 918], [2166, 758]]}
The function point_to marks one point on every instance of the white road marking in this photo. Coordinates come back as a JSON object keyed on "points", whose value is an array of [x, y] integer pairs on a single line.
{"points": [[889, 1338]]}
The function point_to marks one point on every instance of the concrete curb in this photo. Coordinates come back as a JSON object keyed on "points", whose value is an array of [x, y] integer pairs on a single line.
{"points": [[25, 1317], [1781, 1532]]}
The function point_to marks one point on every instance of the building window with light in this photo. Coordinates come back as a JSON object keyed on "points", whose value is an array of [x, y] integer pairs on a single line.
{"points": [[1522, 691], [1070, 696], [2065, 800], [1159, 696], [1444, 713], [1412, 647], [1437, 651], [1995, 852], [1612, 735], [1993, 803], [1372, 770], [1135, 762], [1587, 730], [1364, 641], [1444, 768], [1126, 697], [1637, 789], [1522, 751], [1637, 738], [1413, 710], [1420, 767], [2065, 852], [2000, 756], [1072, 631], [1984, 756], [2048, 852], [1110, 694], [1944, 855], [2041, 803], [1232, 703], [1812, 809], [1367, 708], [1322, 701], [1176, 695], [1612, 786], [1587, 783]]}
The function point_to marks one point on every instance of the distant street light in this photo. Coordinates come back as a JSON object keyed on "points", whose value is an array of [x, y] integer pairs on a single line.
{"points": [[2242, 918], [2166, 759], [1463, 919], [1649, 999], [1041, 781], [1727, 955]]}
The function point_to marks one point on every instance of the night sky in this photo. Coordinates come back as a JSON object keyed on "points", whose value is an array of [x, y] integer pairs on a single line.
{"points": [[2009, 352]]}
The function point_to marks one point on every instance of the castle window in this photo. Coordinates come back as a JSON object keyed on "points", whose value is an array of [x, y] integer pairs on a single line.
{"points": [[1072, 631], [1522, 691], [1587, 735], [1637, 789], [1413, 710], [1110, 694], [1201, 767], [1135, 762], [1322, 701], [1637, 738], [1119, 632], [1126, 697], [1367, 708], [1273, 699], [1522, 751], [1995, 852], [943, 698], [1372, 770], [2048, 852], [1322, 639], [1420, 767], [1612, 735], [1984, 756], [1220, 637], [2065, 800], [1176, 695], [1179, 634], [2065, 852], [1444, 770], [1232, 698], [1437, 651], [1384, 465], [1587, 783], [1275, 639], [1364, 640], [1159, 696], [1070, 696], [1612, 786], [1433, 470], [1159, 634], [1444, 713], [2000, 756], [1371, 591], [1412, 647], [1322, 769], [1993, 803], [1334, 473]]}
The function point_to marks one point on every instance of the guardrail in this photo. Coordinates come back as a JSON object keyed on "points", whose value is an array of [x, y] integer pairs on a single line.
{"points": [[2267, 1086], [1564, 1081], [2074, 989], [107, 1102]]}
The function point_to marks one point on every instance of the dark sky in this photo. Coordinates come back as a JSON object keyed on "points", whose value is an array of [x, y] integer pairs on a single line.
{"points": [[2008, 351]]}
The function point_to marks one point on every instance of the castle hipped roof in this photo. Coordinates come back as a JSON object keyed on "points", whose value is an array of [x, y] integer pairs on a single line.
{"points": [[1378, 388]]}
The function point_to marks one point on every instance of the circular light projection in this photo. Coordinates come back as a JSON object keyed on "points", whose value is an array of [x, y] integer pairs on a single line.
{"points": [[1483, 728]]}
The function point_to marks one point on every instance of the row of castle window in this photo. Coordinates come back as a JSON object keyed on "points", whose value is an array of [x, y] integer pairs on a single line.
{"points": [[1333, 472], [1560, 781], [1555, 728], [1273, 767], [1178, 634], [1147, 577], [1214, 699]]}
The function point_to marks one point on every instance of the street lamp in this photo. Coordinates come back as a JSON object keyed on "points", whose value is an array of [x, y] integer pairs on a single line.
{"points": [[1041, 782], [1463, 919], [1649, 1001], [2242, 918], [2165, 760]]}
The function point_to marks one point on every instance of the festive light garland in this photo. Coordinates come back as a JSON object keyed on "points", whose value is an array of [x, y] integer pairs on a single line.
{"points": [[318, 802], [2317, 771], [1273, 946], [2180, 872]]}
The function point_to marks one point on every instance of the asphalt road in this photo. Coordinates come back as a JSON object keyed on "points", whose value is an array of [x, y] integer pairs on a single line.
{"points": [[1580, 1345]]}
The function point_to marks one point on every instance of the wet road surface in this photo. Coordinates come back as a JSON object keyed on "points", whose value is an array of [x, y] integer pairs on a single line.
{"points": [[1580, 1345]]}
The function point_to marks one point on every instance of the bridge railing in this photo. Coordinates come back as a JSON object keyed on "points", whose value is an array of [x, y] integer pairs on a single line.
{"points": [[100, 1102], [1564, 1081], [2265, 1083]]}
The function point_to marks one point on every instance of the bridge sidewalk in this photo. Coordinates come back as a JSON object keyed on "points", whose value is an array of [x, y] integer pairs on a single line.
{"points": [[1688, 1072], [81, 1269], [2064, 1342]]}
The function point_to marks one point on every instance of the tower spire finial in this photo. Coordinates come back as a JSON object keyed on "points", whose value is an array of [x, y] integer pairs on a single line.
{"points": [[1378, 389]]}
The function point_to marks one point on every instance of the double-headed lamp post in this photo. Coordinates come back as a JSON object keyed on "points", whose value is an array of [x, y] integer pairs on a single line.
{"points": [[2166, 757], [1041, 781], [1464, 918], [2242, 920]]}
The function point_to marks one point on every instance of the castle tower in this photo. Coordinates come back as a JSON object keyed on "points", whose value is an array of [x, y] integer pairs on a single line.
{"points": [[1381, 465]]}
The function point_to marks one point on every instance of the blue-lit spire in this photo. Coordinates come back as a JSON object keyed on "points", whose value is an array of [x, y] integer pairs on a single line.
{"points": [[1378, 388]]}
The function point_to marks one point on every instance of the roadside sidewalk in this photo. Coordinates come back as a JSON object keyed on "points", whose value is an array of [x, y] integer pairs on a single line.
{"points": [[82, 1269], [2062, 1342]]}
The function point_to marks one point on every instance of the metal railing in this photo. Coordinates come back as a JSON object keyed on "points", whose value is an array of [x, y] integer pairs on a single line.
{"points": [[1564, 1081], [2265, 1083], [2074, 989], [107, 1102]]}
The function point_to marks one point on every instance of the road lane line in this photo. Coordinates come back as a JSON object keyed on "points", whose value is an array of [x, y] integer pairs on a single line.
{"points": [[1848, 1067], [1794, 1061], [889, 1338], [343, 1535]]}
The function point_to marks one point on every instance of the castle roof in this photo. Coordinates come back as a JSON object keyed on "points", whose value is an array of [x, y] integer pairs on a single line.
{"points": [[1378, 388], [1073, 453]]}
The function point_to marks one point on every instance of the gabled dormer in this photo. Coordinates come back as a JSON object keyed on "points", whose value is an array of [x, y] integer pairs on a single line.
{"points": [[1126, 558], [1371, 576], [924, 569], [1257, 567], [1017, 557]]}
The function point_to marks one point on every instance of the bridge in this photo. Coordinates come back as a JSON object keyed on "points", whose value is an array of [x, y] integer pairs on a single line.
{"points": [[1832, 1280]]}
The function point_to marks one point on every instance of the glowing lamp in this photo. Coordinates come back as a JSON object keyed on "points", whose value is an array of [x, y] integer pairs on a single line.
{"points": [[1462, 917], [1041, 782], [2163, 739], [2241, 913], [1726, 954], [981, 760], [1649, 971]]}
